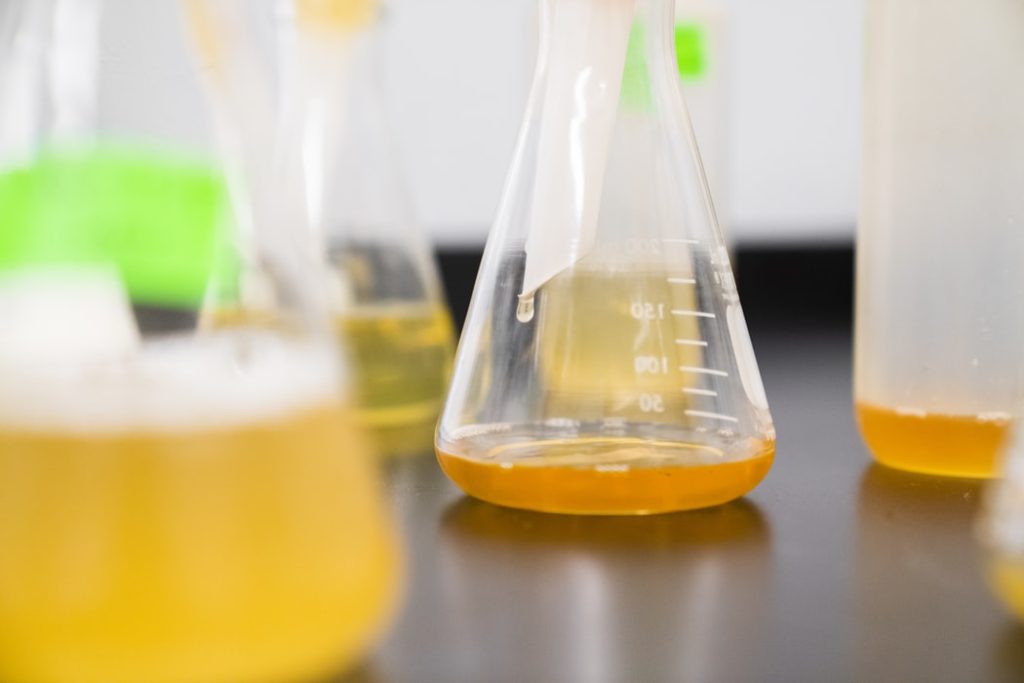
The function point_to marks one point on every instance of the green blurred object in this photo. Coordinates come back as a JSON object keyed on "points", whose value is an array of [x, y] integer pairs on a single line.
{"points": [[636, 82], [155, 216], [691, 51], [691, 57]]}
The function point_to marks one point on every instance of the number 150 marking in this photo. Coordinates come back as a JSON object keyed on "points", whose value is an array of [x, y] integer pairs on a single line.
{"points": [[647, 311]]}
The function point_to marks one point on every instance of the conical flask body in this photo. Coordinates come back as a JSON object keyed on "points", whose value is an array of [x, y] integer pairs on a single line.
{"points": [[605, 366], [166, 488], [378, 273], [389, 307]]}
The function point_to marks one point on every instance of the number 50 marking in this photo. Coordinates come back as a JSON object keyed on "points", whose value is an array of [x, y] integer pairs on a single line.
{"points": [[652, 403]]}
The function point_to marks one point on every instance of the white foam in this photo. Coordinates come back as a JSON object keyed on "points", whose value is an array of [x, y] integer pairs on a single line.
{"points": [[178, 384], [65, 315]]}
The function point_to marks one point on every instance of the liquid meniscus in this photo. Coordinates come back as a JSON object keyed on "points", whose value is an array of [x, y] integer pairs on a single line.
{"points": [[930, 443]]}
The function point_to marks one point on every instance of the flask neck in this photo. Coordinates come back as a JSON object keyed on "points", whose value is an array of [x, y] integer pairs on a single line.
{"points": [[649, 70], [652, 39]]}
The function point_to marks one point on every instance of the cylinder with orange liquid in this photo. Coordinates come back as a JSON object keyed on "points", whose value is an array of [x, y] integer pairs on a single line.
{"points": [[939, 322]]}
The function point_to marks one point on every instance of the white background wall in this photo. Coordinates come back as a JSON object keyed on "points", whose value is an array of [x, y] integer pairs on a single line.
{"points": [[458, 70]]}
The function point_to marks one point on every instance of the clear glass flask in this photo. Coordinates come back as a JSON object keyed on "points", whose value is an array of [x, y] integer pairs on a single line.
{"points": [[704, 55], [385, 294], [605, 366], [391, 307], [176, 503], [939, 320]]}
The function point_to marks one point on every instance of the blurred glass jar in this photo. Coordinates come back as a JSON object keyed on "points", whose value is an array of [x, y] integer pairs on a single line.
{"points": [[176, 503], [939, 320]]}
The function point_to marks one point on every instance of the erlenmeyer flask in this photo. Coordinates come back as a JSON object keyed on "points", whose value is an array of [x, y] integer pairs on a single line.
{"points": [[381, 276], [176, 504], [390, 305], [605, 366]]}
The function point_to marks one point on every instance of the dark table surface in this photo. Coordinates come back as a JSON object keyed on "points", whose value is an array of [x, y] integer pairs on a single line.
{"points": [[834, 569]]}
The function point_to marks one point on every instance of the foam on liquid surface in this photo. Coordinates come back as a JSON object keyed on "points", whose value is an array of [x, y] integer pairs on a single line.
{"points": [[71, 359], [184, 383]]}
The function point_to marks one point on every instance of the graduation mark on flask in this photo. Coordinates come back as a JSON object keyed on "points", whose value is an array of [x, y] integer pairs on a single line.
{"points": [[700, 392], [682, 313], [711, 416], [703, 371]]}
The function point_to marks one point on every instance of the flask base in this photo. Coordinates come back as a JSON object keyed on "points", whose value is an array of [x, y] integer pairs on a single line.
{"points": [[603, 476], [930, 443]]}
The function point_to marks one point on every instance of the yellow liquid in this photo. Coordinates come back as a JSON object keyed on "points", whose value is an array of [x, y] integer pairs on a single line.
{"points": [[951, 445], [610, 345], [603, 476], [250, 553], [337, 14], [1006, 577], [402, 361]]}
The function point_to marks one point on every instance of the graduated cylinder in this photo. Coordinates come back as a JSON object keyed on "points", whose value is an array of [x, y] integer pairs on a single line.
{"points": [[940, 245]]}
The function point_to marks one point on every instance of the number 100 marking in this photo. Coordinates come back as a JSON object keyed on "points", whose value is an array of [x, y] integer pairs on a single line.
{"points": [[651, 365]]}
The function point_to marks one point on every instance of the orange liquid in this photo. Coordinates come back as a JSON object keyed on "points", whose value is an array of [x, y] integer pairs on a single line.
{"points": [[951, 445], [604, 476], [253, 552]]}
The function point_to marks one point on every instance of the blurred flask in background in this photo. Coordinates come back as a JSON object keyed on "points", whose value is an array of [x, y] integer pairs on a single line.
{"points": [[940, 324], [176, 503], [379, 271], [390, 305]]}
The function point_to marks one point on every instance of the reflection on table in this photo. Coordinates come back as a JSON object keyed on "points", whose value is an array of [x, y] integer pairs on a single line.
{"points": [[917, 561]]}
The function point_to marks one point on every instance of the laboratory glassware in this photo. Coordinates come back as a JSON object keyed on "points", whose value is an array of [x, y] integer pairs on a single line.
{"points": [[176, 504], [379, 270], [605, 366], [939, 321], [703, 54], [390, 306]]}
